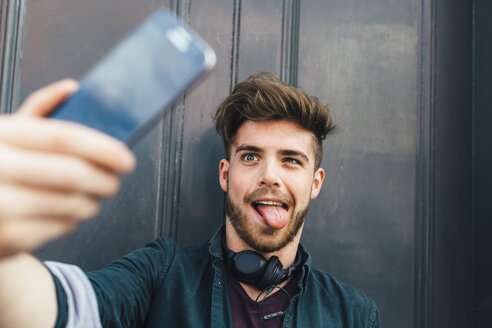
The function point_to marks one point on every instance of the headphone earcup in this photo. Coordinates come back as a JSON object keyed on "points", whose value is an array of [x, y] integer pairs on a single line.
{"points": [[248, 266], [272, 274]]}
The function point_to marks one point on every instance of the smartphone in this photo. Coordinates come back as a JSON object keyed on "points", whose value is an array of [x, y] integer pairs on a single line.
{"points": [[127, 91]]}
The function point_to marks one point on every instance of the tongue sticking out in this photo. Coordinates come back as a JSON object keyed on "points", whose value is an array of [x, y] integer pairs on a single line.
{"points": [[275, 216]]}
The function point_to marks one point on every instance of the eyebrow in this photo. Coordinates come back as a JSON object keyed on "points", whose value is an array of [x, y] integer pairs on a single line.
{"points": [[284, 152], [296, 153], [248, 148]]}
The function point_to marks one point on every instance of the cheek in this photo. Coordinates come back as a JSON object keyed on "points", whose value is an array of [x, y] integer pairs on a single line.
{"points": [[301, 188], [236, 184]]}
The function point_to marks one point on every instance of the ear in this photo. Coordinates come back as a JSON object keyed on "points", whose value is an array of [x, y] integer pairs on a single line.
{"points": [[319, 177], [223, 173]]}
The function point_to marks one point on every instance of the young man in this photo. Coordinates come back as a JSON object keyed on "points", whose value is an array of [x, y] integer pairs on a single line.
{"points": [[252, 273]]}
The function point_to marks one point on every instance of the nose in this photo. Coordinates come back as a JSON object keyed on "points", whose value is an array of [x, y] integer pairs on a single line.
{"points": [[269, 174]]}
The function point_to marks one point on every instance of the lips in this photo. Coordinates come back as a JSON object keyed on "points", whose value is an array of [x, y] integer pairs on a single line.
{"points": [[274, 212]]}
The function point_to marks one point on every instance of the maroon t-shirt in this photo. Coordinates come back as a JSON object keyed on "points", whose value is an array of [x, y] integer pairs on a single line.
{"points": [[247, 313]]}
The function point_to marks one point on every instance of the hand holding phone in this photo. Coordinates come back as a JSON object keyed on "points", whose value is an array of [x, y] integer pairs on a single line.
{"points": [[53, 174], [126, 91]]}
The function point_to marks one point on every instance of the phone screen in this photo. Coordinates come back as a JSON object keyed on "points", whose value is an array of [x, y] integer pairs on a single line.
{"points": [[127, 90]]}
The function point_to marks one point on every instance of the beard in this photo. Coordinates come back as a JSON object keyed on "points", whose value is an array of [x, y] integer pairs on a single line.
{"points": [[251, 234]]}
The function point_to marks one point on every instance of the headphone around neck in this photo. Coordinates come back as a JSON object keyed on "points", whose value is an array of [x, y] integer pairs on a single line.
{"points": [[253, 269]]}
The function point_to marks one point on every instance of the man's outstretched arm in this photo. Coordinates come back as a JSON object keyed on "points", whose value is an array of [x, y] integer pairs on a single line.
{"points": [[52, 177]]}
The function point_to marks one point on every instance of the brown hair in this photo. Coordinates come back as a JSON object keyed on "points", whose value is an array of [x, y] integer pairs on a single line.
{"points": [[263, 97]]}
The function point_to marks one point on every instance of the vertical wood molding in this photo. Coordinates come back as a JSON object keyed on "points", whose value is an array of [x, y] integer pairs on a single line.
{"points": [[236, 32], [172, 153], [12, 17], [170, 173], [290, 41], [425, 173], [482, 162]]}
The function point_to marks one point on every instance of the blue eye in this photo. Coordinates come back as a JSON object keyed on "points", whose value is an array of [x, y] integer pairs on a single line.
{"points": [[250, 157], [292, 161]]}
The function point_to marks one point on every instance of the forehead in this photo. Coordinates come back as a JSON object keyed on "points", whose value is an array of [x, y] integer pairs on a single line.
{"points": [[275, 135]]}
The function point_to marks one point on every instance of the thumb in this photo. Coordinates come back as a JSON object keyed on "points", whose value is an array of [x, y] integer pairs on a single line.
{"points": [[42, 101]]}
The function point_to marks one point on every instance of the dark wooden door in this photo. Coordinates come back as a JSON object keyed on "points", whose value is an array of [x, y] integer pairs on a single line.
{"points": [[394, 216]]}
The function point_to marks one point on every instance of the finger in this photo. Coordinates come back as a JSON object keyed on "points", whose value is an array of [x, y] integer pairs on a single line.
{"points": [[26, 234], [43, 101], [67, 138], [55, 172], [22, 202]]}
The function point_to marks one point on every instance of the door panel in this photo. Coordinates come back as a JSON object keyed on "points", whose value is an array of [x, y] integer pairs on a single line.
{"points": [[363, 219]]}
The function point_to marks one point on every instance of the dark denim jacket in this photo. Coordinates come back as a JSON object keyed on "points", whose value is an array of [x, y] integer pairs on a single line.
{"points": [[164, 285]]}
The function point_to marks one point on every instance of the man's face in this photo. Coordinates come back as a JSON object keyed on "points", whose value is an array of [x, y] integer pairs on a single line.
{"points": [[270, 180]]}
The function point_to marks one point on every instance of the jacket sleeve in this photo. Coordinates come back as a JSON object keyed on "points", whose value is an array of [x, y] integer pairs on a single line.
{"points": [[77, 303], [374, 318], [125, 288]]}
